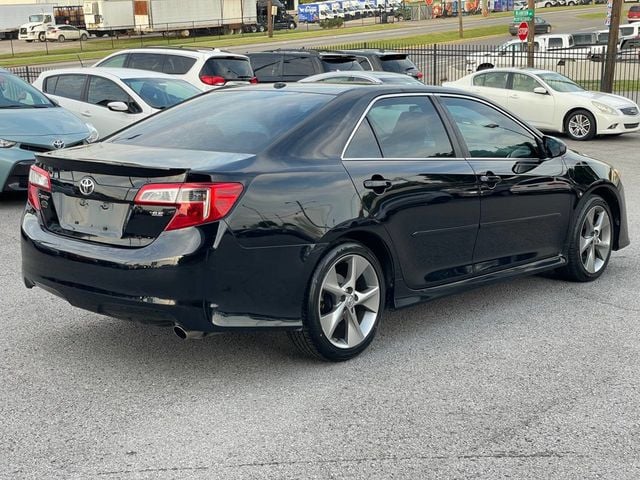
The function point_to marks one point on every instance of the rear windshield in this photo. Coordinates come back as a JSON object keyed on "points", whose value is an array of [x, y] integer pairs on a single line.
{"points": [[635, 8], [212, 122], [337, 64], [397, 64], [162, 92], [231, 68]]}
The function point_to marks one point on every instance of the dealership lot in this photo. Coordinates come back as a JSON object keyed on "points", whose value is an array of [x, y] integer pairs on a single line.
{"points": [[534, 378]]}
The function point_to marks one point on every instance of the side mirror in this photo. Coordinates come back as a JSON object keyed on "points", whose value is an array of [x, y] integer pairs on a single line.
{"points": [[118, 106], [540, 90], [554, 147]]}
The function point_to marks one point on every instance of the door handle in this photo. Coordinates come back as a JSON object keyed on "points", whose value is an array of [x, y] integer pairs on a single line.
{"points": [[86, 114], [513, 95], [377, 184], [490, 178]]}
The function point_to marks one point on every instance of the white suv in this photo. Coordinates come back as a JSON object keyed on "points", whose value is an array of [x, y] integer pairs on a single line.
{"points": [[206, 68]]}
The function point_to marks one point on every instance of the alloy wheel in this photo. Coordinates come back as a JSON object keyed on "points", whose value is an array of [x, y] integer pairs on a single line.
{"points": [[579, 125], [595, 239], [349, 301]]}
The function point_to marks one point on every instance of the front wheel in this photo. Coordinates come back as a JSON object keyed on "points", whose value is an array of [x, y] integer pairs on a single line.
{"points": [[83, 38], [591, 242], [42, 37], [344, 304], [580, 125], [61, 39]]}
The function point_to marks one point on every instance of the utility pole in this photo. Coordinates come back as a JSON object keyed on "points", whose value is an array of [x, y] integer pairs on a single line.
{"points": [[531, 5], [612, 47], [269, 19], [460, 10]]}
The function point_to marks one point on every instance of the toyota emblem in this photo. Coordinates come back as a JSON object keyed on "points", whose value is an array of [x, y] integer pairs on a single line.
{"points": [[87, 186], [58, 144]]}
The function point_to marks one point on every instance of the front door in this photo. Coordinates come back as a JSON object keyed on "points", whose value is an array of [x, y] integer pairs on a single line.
{"points": [[536, 108], [526, 205], [412, 180]]}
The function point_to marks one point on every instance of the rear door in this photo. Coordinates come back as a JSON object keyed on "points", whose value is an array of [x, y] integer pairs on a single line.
{"points": [[68, 90], [492, 85], [412, 180], [526, 204]]}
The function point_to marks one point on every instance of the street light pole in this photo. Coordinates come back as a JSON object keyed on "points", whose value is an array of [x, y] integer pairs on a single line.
{"points": [[269, 19], [531, 5], [460, 9]]}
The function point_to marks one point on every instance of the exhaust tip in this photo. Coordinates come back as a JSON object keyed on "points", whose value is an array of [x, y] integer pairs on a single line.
{"points": [[180, 332]]}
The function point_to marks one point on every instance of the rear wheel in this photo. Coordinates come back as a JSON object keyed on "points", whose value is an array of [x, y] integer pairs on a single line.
{"points": [[548, 30], [61, 38], [580, 125], [591, 242], [344, 304], [84, 37]]}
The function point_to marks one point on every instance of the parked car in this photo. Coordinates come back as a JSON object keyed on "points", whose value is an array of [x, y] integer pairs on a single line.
{"points": [[541, 26], [31, 123], [62, 33], [552, 102], [294, 65], [633, 15], [367, 78], [385, 61], [205, 68], [112, 98], [312, 212]]}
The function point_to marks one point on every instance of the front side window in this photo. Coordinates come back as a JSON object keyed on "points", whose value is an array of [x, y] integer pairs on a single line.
{"points": [[409, 127], [555, 43], [161, 92], [489, 133], [524, 83], [103, 91]]}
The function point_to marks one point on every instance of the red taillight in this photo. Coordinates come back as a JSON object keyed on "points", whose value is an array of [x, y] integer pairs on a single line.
{"points": [[39, 179], [213, 80], [253, 80], [419, 76], [195, 203]]}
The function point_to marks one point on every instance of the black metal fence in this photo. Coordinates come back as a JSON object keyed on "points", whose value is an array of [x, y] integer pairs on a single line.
{"points": [[585, 66], [447, 63]]}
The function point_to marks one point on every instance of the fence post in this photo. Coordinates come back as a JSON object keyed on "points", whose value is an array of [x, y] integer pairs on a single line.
{"points": [[434, 64], [26, 73]]}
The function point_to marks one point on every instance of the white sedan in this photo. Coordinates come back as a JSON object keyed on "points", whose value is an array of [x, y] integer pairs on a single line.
{"points": [[112, 98], [63, 33], [553, 102]]}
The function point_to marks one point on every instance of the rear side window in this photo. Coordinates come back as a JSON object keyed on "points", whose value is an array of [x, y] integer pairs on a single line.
{"points": [[116, 62], [555, 43], [364, 63], [335, 64], [399, 64], [146, 61], [409, 127], [491, 79], [364, 143], [212, 123], [177, 64], [68, 86], [232, 68]]}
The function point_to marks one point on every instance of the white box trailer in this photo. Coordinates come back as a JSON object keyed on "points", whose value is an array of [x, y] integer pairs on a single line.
{"points": [[195, 16], [109, 17], [12, 16]]}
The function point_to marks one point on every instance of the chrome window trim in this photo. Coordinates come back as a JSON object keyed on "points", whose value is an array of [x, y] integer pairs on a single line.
{"points": [[427, 94]]}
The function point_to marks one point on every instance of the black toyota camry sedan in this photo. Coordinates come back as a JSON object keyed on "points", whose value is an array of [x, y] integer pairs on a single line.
{"points": [[311, 208]]}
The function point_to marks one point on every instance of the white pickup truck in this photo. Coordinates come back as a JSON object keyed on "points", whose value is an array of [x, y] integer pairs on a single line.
{"points": [[550, 50]]}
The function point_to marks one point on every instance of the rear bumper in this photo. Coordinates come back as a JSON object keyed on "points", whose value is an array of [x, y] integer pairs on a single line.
{"points": [[181, 278], [158, 284]]}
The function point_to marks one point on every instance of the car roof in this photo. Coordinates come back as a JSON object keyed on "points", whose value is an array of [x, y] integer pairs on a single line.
{"points": [[340, 88], [378, 52], [367, 75], [307, 52], [110, 72], [183, 51], [534, 71]]}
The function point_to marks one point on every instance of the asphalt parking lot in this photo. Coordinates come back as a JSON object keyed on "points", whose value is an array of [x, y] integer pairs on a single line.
{"points": [[529, 379]]}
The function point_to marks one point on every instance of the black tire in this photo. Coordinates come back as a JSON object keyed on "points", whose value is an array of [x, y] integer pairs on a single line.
{"points": [[42, 37], [548, 30], [547, 5], [575, 271], [292, 25], [83, 38], [578, 117], [311, 340], [484, 66], [61, 38], [261, 28]]}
